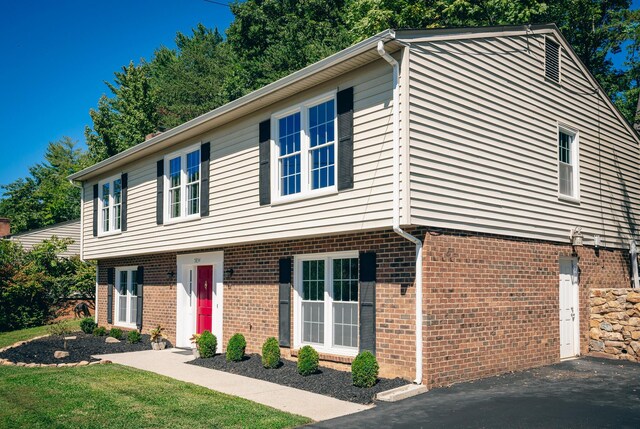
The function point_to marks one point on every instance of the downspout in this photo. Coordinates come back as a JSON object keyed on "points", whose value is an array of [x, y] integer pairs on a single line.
{"points": [[396, 208], [633, 255]]}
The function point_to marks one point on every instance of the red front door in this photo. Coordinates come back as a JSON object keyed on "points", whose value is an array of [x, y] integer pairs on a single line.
{"points": [[204, 306]]}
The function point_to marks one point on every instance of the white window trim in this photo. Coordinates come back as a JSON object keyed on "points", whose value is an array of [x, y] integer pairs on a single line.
{"points": [[116, 296], [112, 230], [327, 348], [575, 153], [305, 177], [168, 220]]}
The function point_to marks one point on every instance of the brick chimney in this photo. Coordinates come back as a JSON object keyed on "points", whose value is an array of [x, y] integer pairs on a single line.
{"points": [[5, 226]]}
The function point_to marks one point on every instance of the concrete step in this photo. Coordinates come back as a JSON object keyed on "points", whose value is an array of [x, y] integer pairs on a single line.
{"points": [[402, 392]]}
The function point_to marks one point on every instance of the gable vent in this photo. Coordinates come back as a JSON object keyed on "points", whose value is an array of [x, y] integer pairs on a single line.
{"points": [[552, 61]]}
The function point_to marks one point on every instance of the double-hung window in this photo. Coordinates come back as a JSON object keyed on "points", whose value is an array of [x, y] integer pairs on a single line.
{"points": [[110, 198], [305, 149], [326, 303], [182, 180], [126, 297], [568, 185]]}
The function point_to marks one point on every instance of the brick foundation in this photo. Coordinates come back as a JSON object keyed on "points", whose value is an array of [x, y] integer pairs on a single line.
{"points": [[490, 303]]}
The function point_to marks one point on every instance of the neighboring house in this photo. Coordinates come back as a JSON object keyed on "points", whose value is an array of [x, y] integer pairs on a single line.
{"points": [[69, 229], [299, 211]]}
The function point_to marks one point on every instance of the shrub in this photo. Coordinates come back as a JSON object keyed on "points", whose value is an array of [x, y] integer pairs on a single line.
{"points": [[100, 331], [88, 325], [60, 329], [235, 348], [364, 370], [307, 360], [270, 353], [115, 333], [134, 337], [206, 344]]}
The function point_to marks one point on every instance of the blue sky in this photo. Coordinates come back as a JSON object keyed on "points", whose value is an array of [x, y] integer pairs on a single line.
{"points": [[56, 56]]}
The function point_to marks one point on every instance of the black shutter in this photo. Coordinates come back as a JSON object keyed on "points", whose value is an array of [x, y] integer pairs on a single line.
{"points": [[124, 181], [160, 192], [368, 301], [265, 161], [205, 156], [345, 138], [139, 296], [284, 302], [95, 210], [111, 276]]}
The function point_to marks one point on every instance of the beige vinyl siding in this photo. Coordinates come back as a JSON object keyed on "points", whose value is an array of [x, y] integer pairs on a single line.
{"points": [[61, 230], [235, 213], [483, 133]]}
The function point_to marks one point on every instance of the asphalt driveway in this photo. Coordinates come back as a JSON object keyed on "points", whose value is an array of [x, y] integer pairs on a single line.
{"points": [[582, 393]]}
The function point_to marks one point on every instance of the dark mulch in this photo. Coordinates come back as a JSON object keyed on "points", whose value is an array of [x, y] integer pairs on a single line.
{"points": [[82, 348], [327, 381]]}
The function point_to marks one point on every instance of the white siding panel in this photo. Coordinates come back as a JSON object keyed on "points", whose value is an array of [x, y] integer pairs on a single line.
{"points": [[484, 151], [69, 229], [235, 215]]}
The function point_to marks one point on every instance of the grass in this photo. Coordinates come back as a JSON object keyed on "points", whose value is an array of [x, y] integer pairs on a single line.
{"points": [[114, 396], [12, 337]]}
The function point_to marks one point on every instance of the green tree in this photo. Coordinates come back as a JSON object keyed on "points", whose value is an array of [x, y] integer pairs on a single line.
{"points": [[188, 81], [272, 38], [122, 121], [46, 197]]}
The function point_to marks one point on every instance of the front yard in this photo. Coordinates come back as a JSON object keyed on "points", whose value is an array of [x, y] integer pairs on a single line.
{"points": [[113, 396], [12, 337]]}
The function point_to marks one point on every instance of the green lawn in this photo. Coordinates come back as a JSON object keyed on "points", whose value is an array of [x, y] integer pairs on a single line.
{"points": [[114, 396], [8, 338]]}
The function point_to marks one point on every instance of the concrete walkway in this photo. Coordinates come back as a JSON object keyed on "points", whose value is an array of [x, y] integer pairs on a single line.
{"points": [[171, 363]]}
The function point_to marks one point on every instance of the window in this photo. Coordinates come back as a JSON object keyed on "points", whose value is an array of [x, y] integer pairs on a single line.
{"points": [[552, 60], [305, 148], [110, 206], [326, 310], [182, 181], [568, 185], [126, 297]]}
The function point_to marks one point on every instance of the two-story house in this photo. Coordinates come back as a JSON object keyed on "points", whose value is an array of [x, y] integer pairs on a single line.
{"points": [[444, 198]]}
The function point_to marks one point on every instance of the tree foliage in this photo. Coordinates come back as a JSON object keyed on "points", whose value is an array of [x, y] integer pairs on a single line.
{"points": [[45, 197], [32, 282]]}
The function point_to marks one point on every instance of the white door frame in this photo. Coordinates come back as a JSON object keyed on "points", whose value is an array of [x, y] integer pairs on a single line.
{"points": [[186, 313], [576, 305]]}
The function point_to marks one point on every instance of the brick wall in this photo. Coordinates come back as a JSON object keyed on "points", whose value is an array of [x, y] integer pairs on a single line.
{"points": [[159, 292], [491, 304], [251, 295]]}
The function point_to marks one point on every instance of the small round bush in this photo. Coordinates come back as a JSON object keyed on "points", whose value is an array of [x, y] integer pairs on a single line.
{"points": [[364, 370], [270, 353], [134, 337], [207, 344], [88, 325], [307, 360], [100, 331], [235, 348], [115, 333]]}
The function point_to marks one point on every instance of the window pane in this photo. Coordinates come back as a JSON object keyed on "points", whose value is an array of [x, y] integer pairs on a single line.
{"points": [[313, 322], [345, 324], [105, 195], [566, 179], [289, 134], [193, 194], [117, 191], [345, 279], [193, 166], [105, 219], [313, 280], [321, 132], [565, 141], [174, 172], [290, 175], [174, 201], [117, 216]]}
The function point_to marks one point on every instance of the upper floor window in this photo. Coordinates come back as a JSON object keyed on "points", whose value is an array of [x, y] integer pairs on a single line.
{"points": [[182, 178], [110, 205], [305, 149], [568, 185]]}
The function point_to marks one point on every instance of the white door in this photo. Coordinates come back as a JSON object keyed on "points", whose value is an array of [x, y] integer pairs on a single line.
{"points": [[569, 309]]}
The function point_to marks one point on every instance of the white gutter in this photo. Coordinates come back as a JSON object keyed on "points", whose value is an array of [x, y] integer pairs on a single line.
{"points": [[396, 208]]}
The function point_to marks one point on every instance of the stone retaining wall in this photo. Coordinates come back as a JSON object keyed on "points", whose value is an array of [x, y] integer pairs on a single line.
{"points": [[615, 324]]}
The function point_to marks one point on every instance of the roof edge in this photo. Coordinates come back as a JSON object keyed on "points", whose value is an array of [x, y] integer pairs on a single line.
{"points": [[311, 69]]}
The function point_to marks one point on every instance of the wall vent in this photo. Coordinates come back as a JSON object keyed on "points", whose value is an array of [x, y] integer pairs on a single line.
{"points": [[552, 60]]}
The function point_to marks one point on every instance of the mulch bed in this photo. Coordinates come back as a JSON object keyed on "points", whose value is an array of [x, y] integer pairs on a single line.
{"points": [[82, 348], [326, 381]]}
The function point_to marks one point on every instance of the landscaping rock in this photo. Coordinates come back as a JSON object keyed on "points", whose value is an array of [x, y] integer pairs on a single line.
{"points": [[70, 338], [60, 354], [111, 340], [606, 326], [615, 324], [83, 363]]}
